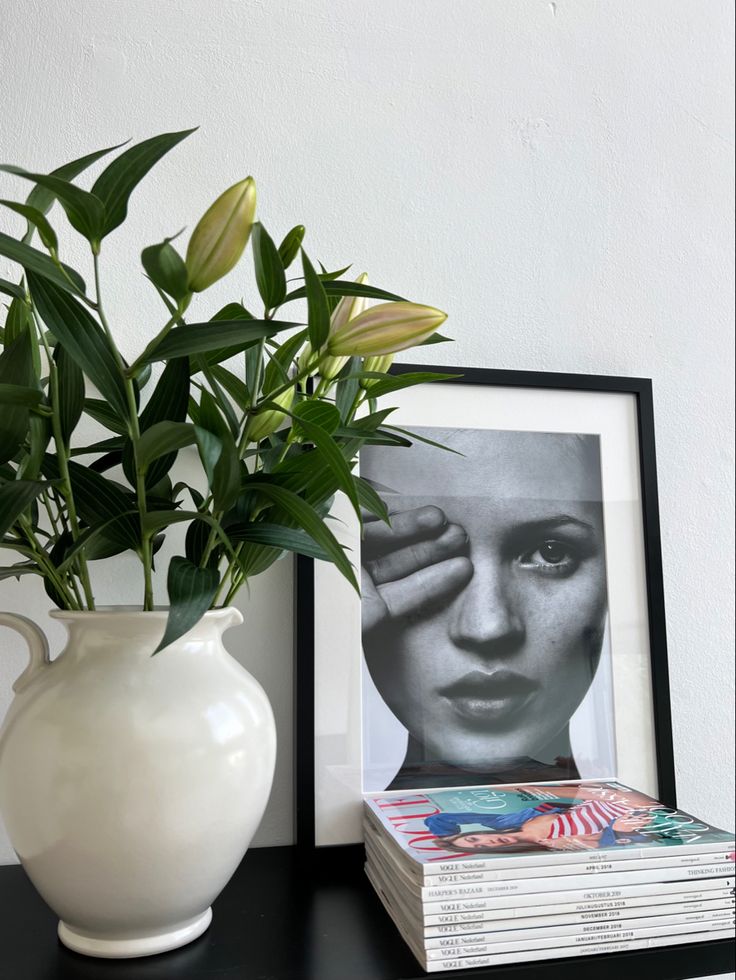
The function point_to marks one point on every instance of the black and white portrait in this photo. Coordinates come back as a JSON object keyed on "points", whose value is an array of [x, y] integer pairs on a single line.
{"points": [[484, 612]]}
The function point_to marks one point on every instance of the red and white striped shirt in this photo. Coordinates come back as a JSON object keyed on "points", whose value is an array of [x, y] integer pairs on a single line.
{"points": [[590, 817]]}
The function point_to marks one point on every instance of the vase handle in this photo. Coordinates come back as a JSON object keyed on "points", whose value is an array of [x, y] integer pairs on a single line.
{"points": [[38, 646]]}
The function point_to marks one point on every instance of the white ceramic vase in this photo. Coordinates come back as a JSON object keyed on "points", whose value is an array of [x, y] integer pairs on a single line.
{"points": [[132, 785]]}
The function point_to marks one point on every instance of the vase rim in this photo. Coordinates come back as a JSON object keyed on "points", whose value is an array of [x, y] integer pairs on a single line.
{"points": [[112, 612]]}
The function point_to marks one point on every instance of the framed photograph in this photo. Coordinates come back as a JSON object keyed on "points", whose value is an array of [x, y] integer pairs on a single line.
{"points": [[511, 626]]}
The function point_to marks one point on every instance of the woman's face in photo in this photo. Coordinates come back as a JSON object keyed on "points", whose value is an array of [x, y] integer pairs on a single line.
{"points": [[490, 668]]}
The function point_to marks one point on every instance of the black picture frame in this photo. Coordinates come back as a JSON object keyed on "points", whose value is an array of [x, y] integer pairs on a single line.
{"points": [[641, 390]]}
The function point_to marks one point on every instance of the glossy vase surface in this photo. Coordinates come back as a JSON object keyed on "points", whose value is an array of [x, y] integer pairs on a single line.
{"points": [[131, 785]]}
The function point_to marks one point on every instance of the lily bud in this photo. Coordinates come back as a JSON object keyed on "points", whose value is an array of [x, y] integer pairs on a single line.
{"points": [[221, 235], [266, 423], [307, 355], [346, 310], [379, 365], [385, 329]]}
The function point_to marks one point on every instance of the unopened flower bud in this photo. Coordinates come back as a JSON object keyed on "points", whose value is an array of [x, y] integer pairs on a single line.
{"points": [[267, 422], [385, 329], [346, 310], [221, 235], [377, 365]]}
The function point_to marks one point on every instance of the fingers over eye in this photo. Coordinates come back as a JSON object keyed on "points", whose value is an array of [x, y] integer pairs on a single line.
{"points": [[406, 526], [430, 585], [405, 561]]}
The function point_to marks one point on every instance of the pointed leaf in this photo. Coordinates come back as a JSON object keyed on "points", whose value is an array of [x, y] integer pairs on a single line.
{"points": [[278, 536], [34, 261], [341, 287], [10, 289], [36, 218], [118, 180], [85, 210], [320, 413], [270, 276], [196, 338], [168, 402], [385, 385], [289, 247], [225, 482], [309, 520], [19, 395], [166, 269], [71, 391], [370, 500], [42, 198], [233, 385], [164, 438], [15, 497], [318, 319], [83, 338], [101, 412], [191, 591], [16, 368], [281, 360], [333, 457]]}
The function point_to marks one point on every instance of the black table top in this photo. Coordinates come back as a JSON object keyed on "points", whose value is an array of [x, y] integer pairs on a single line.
{"points": [[283, 918]]}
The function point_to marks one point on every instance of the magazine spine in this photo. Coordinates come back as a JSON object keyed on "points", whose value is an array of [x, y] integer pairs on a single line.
{"points": [[595, 949], [578, 932], [523, 886], [580, 895], [620, 913]]}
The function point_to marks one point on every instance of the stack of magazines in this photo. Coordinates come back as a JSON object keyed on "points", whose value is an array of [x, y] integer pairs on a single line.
{"points": [[492, 875]]}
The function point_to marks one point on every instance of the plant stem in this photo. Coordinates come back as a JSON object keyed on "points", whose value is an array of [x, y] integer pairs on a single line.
{"points": [[62, 453], [50, 571], [146, 553]]}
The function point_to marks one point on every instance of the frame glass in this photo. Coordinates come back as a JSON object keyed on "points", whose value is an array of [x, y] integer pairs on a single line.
{"points": [[512, 621]]}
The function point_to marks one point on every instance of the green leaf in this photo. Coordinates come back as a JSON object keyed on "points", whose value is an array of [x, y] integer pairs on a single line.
{"points": [[385, 385], [270, 276], [289, 247], [16, 368], [320, 413], [436, 338], [164, 438], [281, 359], [39, 436], [278, 536], [233, 385], [23, 568], [210, 450], [370, 500], [118, 180], [42, 198], [318, 319], [309, 520], [428, 442], [18, 320], [36, 218], [225, 481], [347, 388], [191, 591], [10, 289], [196, 338], [85, 210], [83, 338], [15, 497], [340, 287], [333, 457], [71, 391], [34, 261], [169, 402], [20, 395], [98, 499], [166, 269], [114, 444], [326, 276], [101, 412]]}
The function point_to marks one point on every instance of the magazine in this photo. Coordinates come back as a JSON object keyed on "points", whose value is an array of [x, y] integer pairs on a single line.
{"points": [[431, 965], [484, 829]]}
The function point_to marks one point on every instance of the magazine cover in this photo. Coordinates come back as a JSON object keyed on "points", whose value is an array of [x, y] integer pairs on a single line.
{"points": [[527, 824]]}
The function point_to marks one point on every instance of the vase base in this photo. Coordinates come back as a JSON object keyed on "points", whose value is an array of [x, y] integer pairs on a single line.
{"points": [[160, 942]]}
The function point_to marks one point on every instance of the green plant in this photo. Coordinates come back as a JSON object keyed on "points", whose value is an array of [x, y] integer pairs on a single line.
{"points": [[277, 410]]}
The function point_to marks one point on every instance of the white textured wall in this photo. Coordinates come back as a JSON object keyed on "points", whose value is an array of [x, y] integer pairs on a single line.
{"points": [[556, 175]]}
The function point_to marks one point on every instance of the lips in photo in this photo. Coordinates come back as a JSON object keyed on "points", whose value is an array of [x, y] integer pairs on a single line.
{"points": [[489, 697]]}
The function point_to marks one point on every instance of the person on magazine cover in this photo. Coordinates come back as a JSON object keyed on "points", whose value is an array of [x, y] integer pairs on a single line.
{"points": [[484, 603], [577, 824]]}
